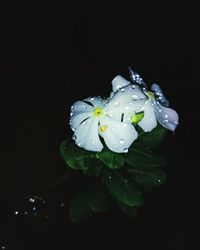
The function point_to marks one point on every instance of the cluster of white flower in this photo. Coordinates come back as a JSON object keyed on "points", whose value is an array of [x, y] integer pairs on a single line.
{"points": [[114, 119]]}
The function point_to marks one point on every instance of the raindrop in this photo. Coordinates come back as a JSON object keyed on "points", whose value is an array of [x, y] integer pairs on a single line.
{"points": [[166, 116], [121, 141], [74, 137], [134, 97], [16, 212], [3, 247], [71, 114], [159, 180], [79, 144], [110, 177], [32, 200], [160, 110], [122, 90], [125, 150], [133, 86], [116, 104], [92, 99]]}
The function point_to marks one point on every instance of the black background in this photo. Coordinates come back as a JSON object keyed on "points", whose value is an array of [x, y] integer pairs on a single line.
{"points": [[54, 53]]}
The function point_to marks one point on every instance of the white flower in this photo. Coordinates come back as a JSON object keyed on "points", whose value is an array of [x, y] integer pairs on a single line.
{"points": [[91, 118], [152, 103]]}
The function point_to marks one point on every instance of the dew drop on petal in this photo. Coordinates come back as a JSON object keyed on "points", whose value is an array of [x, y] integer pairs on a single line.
{"points": [[122, 90], [92, 99], [134, 97], [125, 150], [116, 104], [121, 141], [71, 114], [166, 116], [74, 137]]}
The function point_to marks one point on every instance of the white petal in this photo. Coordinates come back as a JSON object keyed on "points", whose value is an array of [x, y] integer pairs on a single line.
{"points": [[78, 118], [95, 101], [167, 117], [157, 90], [80, 106], [125, 103], [118, 136], [87, 135], [149, 120], [119, 82]]}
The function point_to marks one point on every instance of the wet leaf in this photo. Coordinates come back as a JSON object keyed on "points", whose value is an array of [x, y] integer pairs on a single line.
{"points": [[147, 176], [111, 159], [123, 190], [141, 157], [76, 157], [129, 211], [79, 210], [153, 138], [97, 198]]}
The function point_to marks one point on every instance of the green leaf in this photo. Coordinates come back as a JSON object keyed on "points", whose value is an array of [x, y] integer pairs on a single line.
{"points": [[76, 157], [131, 212], [143, 158], [111, 159], [79, 210], [97, 198], [123, 190], [154, 138], [147, 176]]}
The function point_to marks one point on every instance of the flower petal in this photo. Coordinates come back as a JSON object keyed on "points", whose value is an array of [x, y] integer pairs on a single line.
{"points": [[157, 90], [77, 119], [119, 82], [167, 117], [118, 136], [87, 135], [80, 106], [126, 102], [95, 101], [149, 120]]}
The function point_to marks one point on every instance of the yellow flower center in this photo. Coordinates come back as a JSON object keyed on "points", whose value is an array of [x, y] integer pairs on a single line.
{"points": [[103, 128], [151, 95], [98, 112]]}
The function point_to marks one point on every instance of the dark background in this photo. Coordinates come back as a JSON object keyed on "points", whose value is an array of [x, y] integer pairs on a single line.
{"points": [[54, 53]]}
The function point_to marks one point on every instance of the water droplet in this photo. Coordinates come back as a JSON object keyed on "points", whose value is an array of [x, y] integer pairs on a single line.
{"points": [[74, 137], [71, 114], [130, 103], [79, 144], [134, 97], [166, 116], [122, 90], [160, 110], [62, 204], [16, 212], [116, 104], [133, 86], [121, 141], [159, 180], [3, 247], [124, 125], [125, 150], [110, 177], [25, 212], [92, 99], [73, 129], [32, 200], [127, 107], [34, 208]]}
